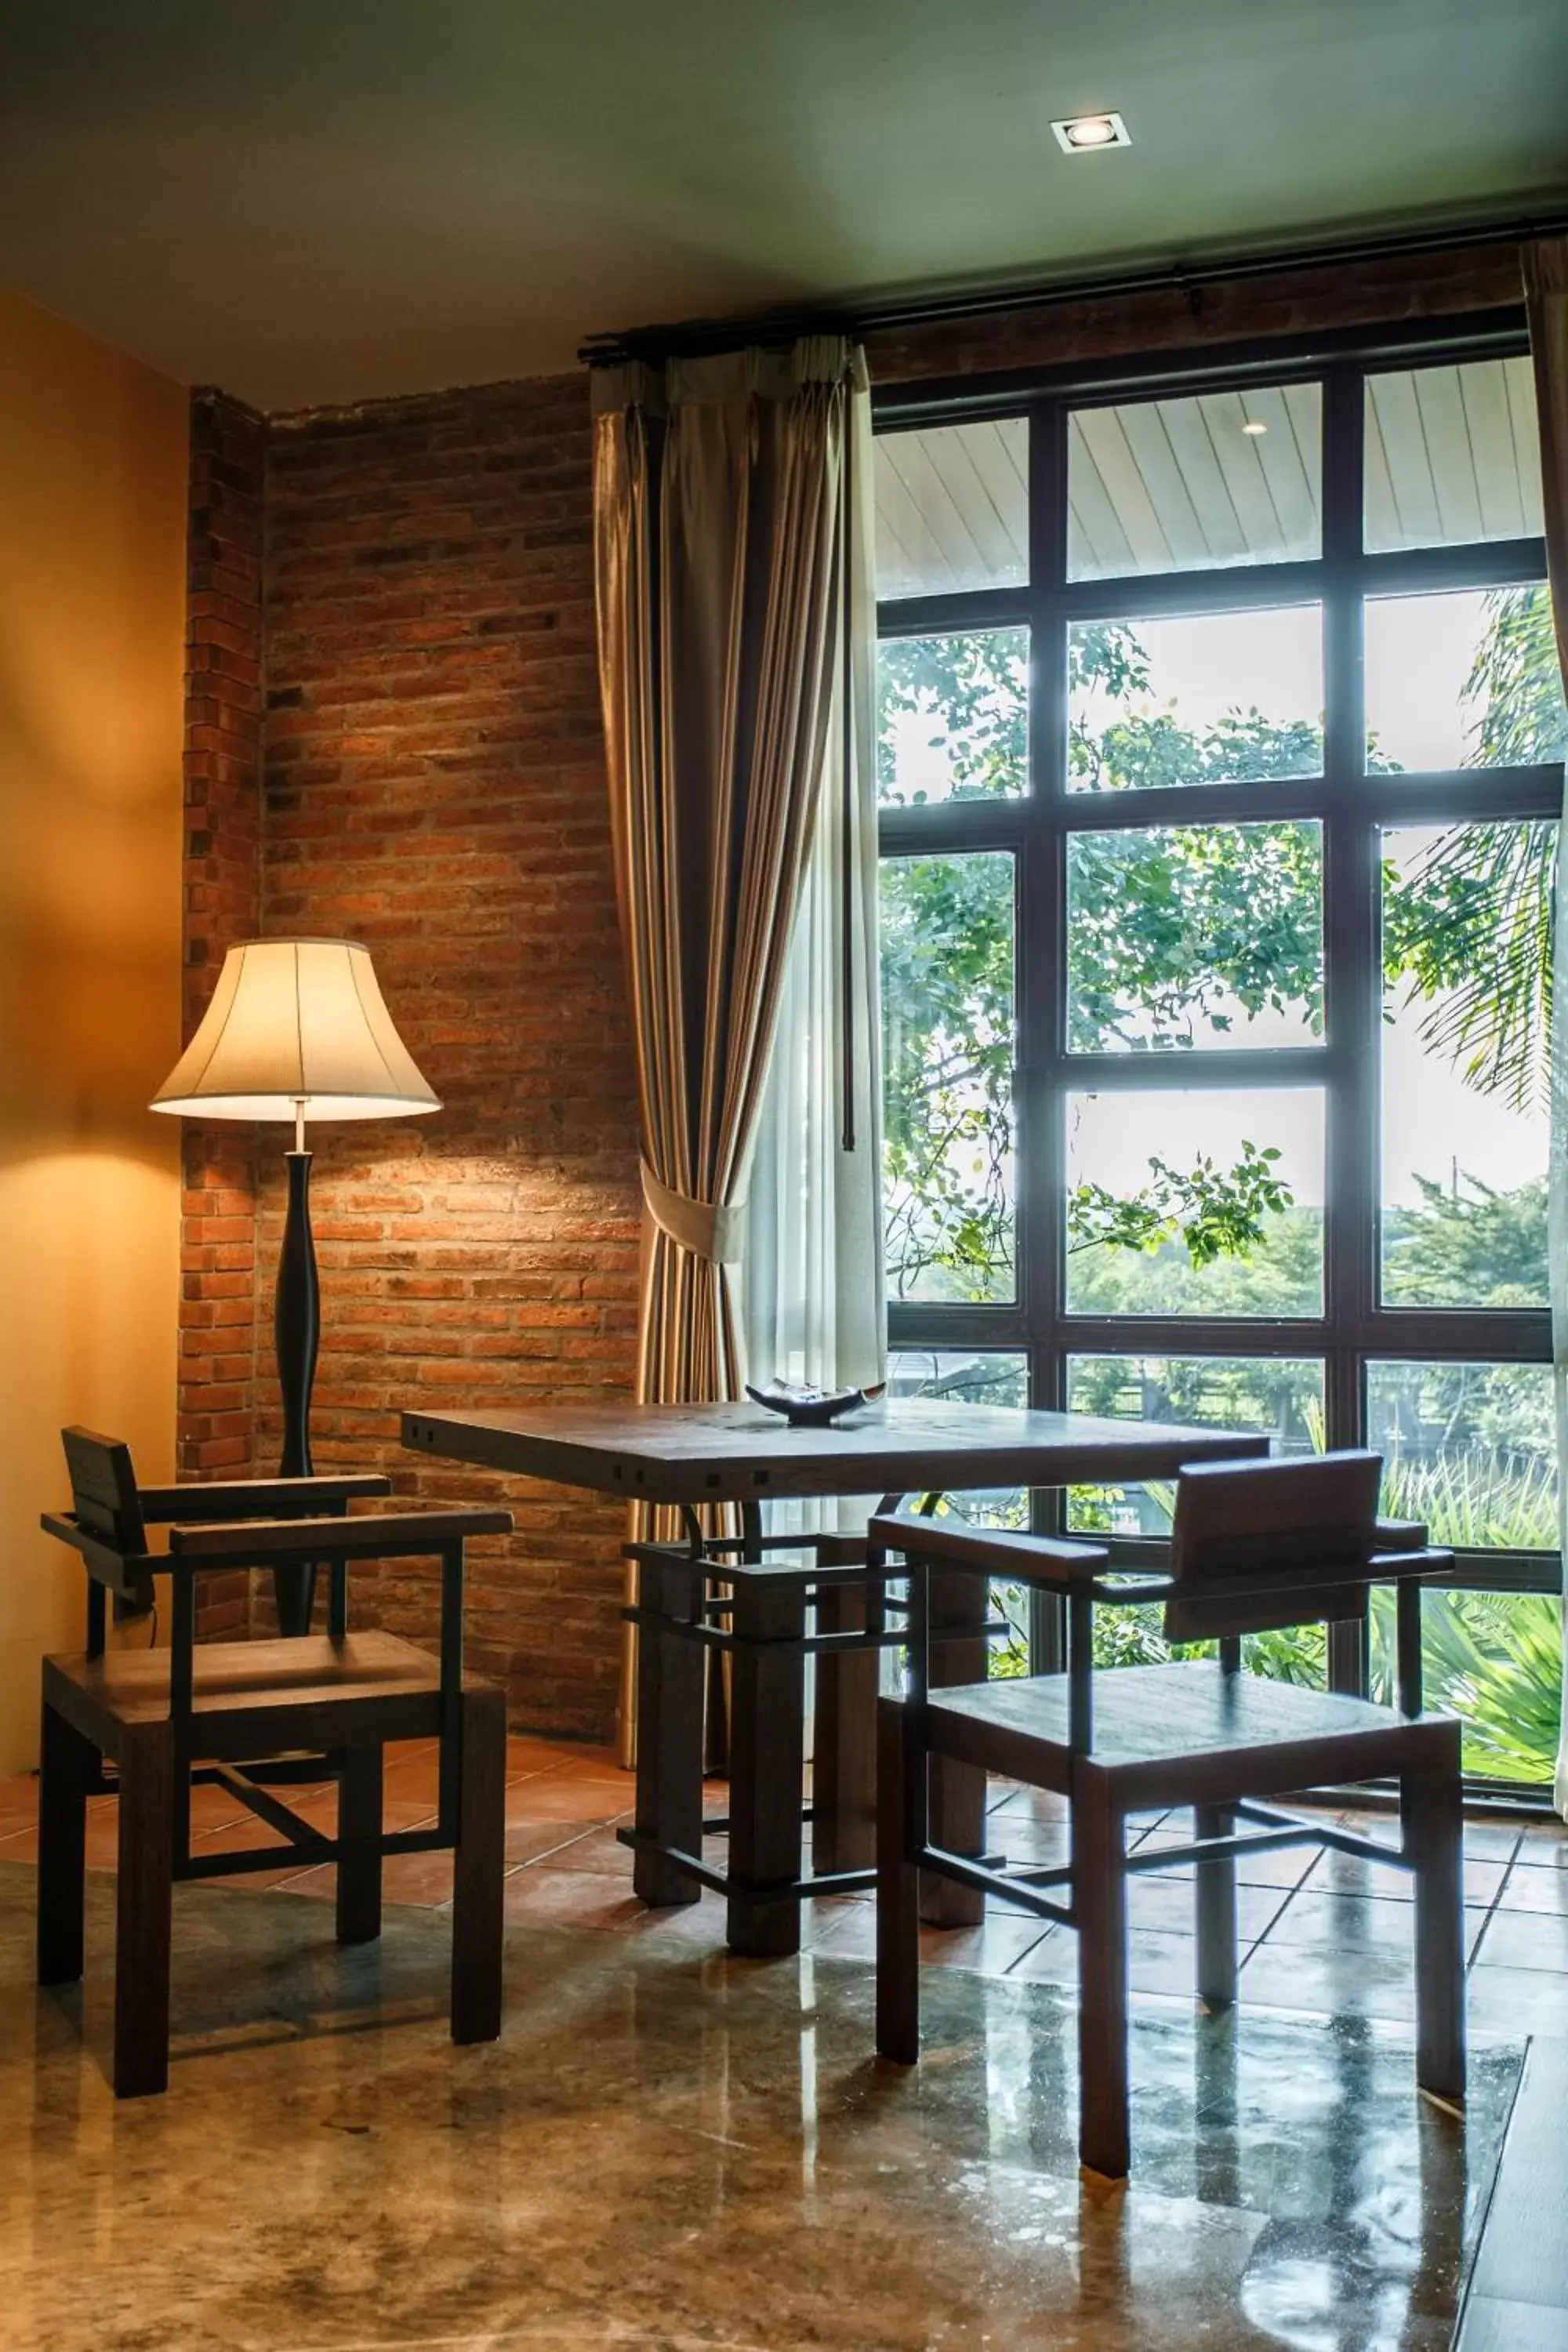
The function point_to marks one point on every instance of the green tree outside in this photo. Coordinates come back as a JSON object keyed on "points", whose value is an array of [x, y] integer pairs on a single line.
{"points": [[1180, 935]]}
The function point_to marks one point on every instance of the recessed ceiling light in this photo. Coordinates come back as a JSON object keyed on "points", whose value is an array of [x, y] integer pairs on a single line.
{"points": [[1254, 424], [1080, 134]]}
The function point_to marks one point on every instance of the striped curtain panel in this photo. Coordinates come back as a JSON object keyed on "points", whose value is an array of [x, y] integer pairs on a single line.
{"points": [[720, 531]]}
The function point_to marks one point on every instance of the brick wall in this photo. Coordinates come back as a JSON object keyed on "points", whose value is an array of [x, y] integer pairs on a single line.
{"points": [[433, 785], [1296, 302]]}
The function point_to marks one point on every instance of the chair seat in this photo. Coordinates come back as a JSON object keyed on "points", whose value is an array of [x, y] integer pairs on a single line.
{"points": [[1159, 1728], [248, 1695]]}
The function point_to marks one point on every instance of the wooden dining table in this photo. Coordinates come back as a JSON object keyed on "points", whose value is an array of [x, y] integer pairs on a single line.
{"points": [[689, 1456]]}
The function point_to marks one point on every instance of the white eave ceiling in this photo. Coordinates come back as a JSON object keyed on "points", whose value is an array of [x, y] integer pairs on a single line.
{"points": [[1205, 481], [321, 200]]}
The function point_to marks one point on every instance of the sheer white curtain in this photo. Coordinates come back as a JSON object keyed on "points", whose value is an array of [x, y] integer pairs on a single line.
{"points": [[1546, 294], [812, 1284]]}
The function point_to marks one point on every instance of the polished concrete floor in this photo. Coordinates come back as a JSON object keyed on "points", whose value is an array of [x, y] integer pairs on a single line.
{"points": [[671, 2149]]}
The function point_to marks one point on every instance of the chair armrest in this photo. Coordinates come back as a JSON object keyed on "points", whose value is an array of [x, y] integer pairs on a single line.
{"points": [[407, 1535], [125, 1573], [1397, 1563], [256, 1498], [1046, 1560], [1401, 1535]]}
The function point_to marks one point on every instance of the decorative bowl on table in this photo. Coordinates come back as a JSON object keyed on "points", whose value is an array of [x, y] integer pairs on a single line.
{"points": [[807, 1408]]}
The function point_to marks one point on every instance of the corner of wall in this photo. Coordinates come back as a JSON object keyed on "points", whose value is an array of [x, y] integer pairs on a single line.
{"points": [[225, 694]]}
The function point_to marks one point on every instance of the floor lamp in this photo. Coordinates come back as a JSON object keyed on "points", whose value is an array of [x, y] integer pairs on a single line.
{"points": [[296, 1029]]}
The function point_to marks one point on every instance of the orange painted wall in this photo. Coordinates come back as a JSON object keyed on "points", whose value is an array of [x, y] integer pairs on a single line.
{"points": [[93, 494]]}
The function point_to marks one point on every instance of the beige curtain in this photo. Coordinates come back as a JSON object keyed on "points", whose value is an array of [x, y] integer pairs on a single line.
{"points": [[719, 530], [814, 1296], [1546, 294]]}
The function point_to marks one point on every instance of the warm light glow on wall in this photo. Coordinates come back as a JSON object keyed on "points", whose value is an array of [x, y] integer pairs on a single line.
{"points": [[93, 487]]}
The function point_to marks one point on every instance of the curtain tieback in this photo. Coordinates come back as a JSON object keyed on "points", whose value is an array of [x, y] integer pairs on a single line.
{"points": [[705, 1229]]}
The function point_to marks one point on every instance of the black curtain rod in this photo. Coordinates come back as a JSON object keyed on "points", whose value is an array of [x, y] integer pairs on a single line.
{"points": [[693, 337]]}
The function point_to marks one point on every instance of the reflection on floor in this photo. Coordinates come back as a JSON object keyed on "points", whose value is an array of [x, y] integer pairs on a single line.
{"points": [[671, 2149]]}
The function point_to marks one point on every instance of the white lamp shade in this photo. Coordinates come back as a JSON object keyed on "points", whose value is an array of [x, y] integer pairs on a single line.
{"points": [[292, 1022]]}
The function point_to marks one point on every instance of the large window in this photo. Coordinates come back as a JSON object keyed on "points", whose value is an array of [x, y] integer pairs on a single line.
{"points": [[1221, 745]]}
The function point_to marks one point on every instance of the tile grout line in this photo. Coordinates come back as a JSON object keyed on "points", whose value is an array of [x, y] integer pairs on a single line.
{"points": [[1493, 1907]]}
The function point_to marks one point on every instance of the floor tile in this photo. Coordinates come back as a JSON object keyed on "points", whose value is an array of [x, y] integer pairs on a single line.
{"points": [[525, 1752], [1375, 1981], [1528, 1940], [530, 1841], [1170, 1904], [1532, 1889], [1544, 1845], [1494, 2325], [1517, 2001], [420, 1879], [1493, 1841], [1021, 1838], [1030, 1804], [994, 1948], [848, 1931], [1281, 1866], [1344, 1874], [1156, 1962], [581, 1898], [597, 1850], [699, 1925], [1351, 1923], [554, 1797]]}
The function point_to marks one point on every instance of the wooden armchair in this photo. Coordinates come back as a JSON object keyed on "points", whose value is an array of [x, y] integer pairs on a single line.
{"points": [[1254, 1546], [251, 1714]]}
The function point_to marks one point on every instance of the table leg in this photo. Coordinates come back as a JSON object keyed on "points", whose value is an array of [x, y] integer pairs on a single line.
{"points": [[767, 1762], [1431, 1803], [844, 1741], [959, 1606], [670, 1732], [1100, 1873], [142, 1915]]}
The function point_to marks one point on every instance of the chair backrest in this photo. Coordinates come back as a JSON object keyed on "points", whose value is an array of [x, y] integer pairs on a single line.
{"points": [[1286, 1522], [104, 1495]]}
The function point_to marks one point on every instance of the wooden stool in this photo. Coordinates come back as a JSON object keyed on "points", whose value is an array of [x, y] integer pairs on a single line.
{"points": [[319, 1706], [1254, 1546]]}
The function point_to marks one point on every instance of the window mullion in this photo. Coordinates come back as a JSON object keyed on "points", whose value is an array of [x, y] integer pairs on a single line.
{"points": [[1349, 955], [1041, 1136]]}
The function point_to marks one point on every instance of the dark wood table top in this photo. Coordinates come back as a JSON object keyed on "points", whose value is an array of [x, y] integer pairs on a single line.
{"points": [[733, 1453]]}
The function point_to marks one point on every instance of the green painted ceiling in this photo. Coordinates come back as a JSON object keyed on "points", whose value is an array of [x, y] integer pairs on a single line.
{"points": [[311, 200]]}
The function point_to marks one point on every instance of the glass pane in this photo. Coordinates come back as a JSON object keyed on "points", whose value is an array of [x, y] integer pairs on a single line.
{"points": [[1208, 1202], [960, 1375], [1495, 1660], [1284, 1395], [1195, 935], [979, 1376], [1452, 455], [1222, 478], [1469, 1449], [953, 508], [1202, 699], [1465, 679], [1466, 930], [1281, 1394], [947, 1050], [952, 717]]}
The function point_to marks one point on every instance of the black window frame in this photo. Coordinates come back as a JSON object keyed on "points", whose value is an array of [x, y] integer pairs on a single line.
{"points": [[1353, 807]]}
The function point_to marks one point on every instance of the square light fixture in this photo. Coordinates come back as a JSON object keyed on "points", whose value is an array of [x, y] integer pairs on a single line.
{"points": [[1081, 134]]}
